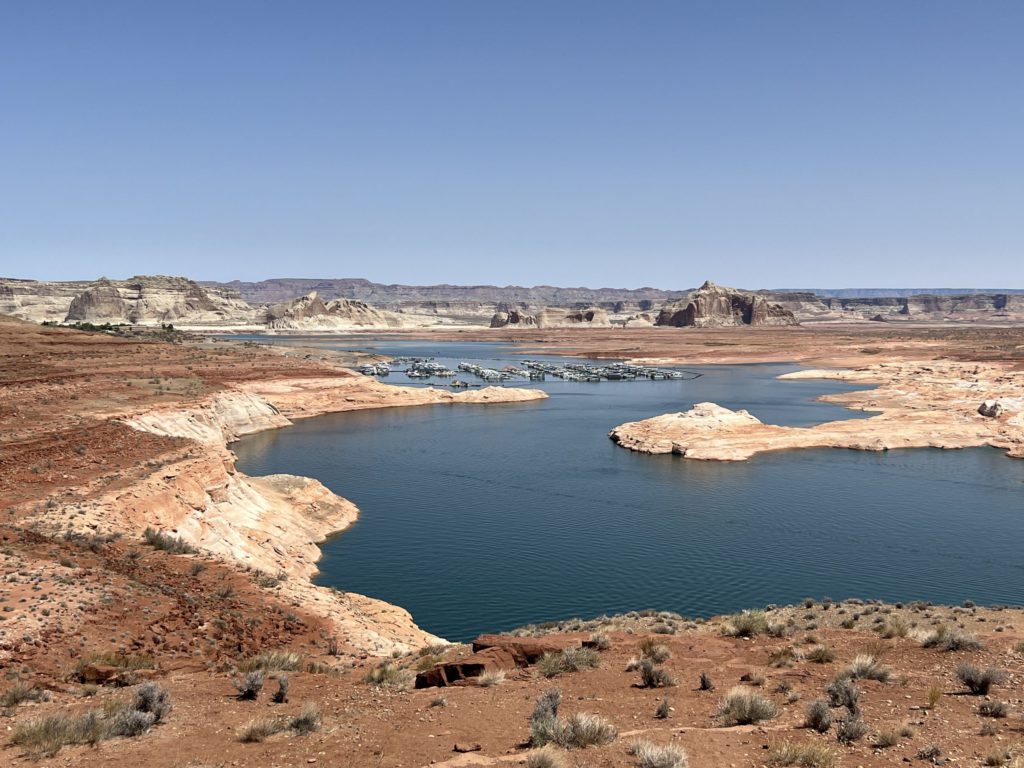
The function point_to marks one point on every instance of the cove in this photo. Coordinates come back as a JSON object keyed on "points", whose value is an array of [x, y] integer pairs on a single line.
{"points": [[483, 518]]}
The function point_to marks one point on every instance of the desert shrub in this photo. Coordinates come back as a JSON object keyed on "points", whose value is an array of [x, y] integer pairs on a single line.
{"points": [[819, 716], [167, 542], [281, 694], [651, 755], [577, 731], [784, 657], [894, 626], [544, 719], [250, 685], [746, 624], [387, 675], [934, 695], [152, 699], [492, 678], [258, 730], [663, 709], [850, 728], [706, 683], [803, 755], [653, 650], [867, 667], [131, 722], [947, 639], [585, 730], [272, 661], [993, 709], [890, 737], [545, 757], [307, 721], [929, 752], [128, 662], [569, 660], [843, 693], [821, 654], [744, 707], [979, 681], [20, 692], [654, 677], [601, 641]]}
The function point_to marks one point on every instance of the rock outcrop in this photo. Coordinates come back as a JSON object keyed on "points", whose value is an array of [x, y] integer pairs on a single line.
{"points": [[310, 312], [933, 405], [713, 305], [155, 300], [551, 317]]}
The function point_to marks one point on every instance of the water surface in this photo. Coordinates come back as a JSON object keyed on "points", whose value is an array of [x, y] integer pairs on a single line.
{"points": [[482, 518]]}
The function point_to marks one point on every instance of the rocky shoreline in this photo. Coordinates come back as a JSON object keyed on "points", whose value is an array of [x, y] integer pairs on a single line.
{"points": [[933, 405]]}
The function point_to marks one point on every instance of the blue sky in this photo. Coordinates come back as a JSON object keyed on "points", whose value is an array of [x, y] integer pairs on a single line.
{"points": [[760, 144]]}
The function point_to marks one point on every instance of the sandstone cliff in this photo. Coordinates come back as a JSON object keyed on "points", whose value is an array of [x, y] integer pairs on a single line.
{"points": [[550, 317], [714, 305], [310, 312]]}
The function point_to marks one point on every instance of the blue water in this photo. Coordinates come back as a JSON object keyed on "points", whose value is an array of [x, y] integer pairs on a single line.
{"points": [[482, 518]]}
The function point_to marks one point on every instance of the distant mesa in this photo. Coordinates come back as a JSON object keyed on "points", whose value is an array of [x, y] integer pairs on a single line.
{"points": [[714, 305], [551, 317]]}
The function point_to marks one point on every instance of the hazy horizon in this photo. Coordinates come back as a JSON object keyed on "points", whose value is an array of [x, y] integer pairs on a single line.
{"points": [[557, 143]]}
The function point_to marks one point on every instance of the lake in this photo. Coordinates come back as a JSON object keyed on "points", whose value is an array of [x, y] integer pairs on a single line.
{"points": [[486, 517]]}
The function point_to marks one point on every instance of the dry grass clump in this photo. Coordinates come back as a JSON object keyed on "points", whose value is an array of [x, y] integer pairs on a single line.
{"points": [[569, 660], [272, 661], [575, 732], [651, 755], [167, 542], [45, 736], [307, 721], [890, 737], [545, 757], [492, 678], [865, 666], [128, 662], [601, 641], [947, 639], [821, 654], [744, 707], [746, 624], [894, 626], [979, 681], [387, 675], [816, 755], [257, 730], [20, 692], [655, 651]]}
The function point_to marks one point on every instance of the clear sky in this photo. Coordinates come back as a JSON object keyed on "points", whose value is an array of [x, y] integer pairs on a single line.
{"points": [[761, 144]]}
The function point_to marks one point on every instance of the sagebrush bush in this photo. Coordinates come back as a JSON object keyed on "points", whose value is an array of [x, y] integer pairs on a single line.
{"points": [[947, 639], [818, 716], [601, 641], [575, 732], [979, 681], [20, 692], [993, 709], [492, 678], [850, 728], [744, 707], [654, 677], [250, 685], [569, 660], [281, 694], [153, 699], [706, 683], [843, 693], [653, 650]]}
